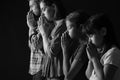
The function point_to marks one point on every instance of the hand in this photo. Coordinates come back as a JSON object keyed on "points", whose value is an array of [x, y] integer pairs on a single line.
{"points": [[91, 51], [42, 26], [65, 41], [30, 20]]}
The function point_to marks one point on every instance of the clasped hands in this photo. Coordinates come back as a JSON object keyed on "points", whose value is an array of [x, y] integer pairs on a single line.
{"points": [[42, 27], [65, 41], [92, 51]]}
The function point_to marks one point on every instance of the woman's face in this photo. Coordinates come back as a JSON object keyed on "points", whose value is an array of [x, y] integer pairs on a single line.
{"points": [[34, 7], [71, 28], [96, 38], [47, 11]]}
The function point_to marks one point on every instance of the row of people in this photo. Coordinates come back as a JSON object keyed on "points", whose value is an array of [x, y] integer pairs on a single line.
{"points": [[73, 47]]}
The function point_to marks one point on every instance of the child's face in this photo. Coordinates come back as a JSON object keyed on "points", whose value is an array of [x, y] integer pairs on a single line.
{"points": [[34, 7], [47, 11], [71, 28], [96, 38]]}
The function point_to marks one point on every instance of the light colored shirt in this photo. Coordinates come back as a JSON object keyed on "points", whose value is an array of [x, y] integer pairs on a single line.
{"points": [[112, 56]]}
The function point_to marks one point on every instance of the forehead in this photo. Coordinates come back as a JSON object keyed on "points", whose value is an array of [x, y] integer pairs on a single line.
{"points": [[69, 23], [42, 5], [32, 2]]}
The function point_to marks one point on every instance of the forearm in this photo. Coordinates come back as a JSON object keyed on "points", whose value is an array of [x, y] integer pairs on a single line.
{"points": [[75, 67], [45, 42], [89, 69], [66, 63], [98, 68]]}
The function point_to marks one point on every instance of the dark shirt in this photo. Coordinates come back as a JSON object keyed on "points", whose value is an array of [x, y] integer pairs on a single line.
{"points": [[80, 55]]}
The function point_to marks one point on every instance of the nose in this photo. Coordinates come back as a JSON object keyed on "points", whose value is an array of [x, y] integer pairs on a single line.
{"points": [[89, 40]]}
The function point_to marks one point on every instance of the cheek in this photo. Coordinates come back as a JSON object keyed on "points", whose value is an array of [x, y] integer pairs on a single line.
{"points": [[96, 40], [72, 33], [35, 9], [47, 14]]}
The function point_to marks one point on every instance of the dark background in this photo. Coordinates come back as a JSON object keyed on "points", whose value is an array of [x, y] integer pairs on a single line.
{"points": [[14, 32]]}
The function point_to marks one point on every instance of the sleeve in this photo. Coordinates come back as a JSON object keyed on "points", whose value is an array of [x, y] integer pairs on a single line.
{"points": [[112, 58]]}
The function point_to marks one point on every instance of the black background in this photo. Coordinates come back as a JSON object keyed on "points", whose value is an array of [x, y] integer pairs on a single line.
{"points": [[15, 53]]}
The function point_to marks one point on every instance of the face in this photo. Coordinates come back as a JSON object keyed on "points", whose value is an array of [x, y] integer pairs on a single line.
{"points": [[47, 11], [71, 28], [34, 7], [96, 38]]}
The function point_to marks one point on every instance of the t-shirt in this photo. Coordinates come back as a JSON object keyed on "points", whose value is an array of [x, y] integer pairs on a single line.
{"points": [[80, 55], [112, 56]]}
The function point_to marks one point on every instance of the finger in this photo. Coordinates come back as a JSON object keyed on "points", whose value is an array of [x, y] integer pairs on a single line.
{"points": [[62, 37], [87, 51]]}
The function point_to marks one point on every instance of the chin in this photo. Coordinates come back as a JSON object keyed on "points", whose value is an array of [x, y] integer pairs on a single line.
{"points": [[36, 13]]}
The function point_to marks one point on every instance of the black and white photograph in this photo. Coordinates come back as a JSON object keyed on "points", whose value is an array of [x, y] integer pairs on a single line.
{"points": [[60, 40]]}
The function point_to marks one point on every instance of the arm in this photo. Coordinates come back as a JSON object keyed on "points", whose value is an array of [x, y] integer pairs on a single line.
{"points": [[76, 66], [108, 69], [31, 21], [66, 63], [89, 69], [98, 68], [105, 73], [65, 44]]}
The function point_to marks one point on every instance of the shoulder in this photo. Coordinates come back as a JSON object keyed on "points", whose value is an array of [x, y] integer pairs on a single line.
{"points": [[112, 56], [114, 51], [60, 22], [59, 27]]}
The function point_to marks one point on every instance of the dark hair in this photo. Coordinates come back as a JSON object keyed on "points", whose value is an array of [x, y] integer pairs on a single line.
{"points": [[38, 1], [97, 22], [79, 17], [61, 12]]}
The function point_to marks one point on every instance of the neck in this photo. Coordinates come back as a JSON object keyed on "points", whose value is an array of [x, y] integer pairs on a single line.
{"points": [[102, 49]]}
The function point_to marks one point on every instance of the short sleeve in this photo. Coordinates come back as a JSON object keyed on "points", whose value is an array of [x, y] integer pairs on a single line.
{"points": [[112, 57]]}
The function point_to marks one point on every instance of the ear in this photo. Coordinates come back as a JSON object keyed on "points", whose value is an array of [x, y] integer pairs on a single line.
{"points": [[103, 31]]}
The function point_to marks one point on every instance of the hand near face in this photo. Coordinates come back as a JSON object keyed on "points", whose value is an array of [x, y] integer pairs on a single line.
{"points": [[30, 20], [42, 27], [91, 51], [65, 41]]}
